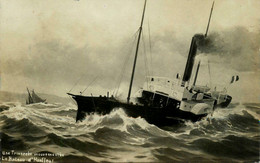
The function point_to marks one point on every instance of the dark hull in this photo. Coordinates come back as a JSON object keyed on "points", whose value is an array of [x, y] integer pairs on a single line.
{"points": [[159, 116], [226, 103]]}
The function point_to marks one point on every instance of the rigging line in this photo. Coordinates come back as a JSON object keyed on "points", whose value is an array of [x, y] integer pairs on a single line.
{"points": [[75, 83], [121, 73], [150, 46], [89, 85], [135, 34], [124, 66], [73, 101], [145, 61], [145, 58], [127, 59]]}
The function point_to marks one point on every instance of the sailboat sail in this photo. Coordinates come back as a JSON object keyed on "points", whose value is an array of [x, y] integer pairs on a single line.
{"points": [[33, 98], [36, 98]]}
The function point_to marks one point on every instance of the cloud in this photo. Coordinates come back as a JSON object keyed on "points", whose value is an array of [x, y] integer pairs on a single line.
{"points": [[52, 61]]}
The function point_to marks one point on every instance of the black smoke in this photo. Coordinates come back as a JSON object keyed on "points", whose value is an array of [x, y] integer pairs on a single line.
{"points": [[237, 47]]}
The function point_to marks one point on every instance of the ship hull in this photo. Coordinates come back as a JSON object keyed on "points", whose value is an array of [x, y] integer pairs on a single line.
{"points": [[226, 102], [160, 116]]}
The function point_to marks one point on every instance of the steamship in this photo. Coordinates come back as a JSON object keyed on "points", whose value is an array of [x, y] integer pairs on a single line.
{"points": [[161, 101]]}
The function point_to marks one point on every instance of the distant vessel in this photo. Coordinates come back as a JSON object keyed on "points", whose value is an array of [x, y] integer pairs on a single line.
{"points": [[33, 98], [161, 101]]}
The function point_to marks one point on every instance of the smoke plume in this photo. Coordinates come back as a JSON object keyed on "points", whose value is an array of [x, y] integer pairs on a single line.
{"points": [[237, 46]]}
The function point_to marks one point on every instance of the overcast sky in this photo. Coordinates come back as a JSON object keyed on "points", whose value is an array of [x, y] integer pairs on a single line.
{"points": [[50, 45]]}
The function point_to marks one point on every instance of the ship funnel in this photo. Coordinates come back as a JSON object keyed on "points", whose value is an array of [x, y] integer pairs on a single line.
{"points": [[193, 50], [190, 60]]}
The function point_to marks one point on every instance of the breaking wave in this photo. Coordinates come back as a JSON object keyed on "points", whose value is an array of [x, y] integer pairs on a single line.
{"points": [[230, 134]]}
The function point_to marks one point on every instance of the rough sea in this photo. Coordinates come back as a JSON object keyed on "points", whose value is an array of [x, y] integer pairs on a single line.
{"points": [[48, 133]]}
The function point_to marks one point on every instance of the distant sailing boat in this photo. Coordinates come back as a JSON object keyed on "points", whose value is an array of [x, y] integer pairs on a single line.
{"points": [[162, 101], [33, 98]]}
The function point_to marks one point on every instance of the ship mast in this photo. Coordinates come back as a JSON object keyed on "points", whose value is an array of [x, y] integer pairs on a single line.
{"points": [[136, 53], [196, 75], [209, 19]]}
